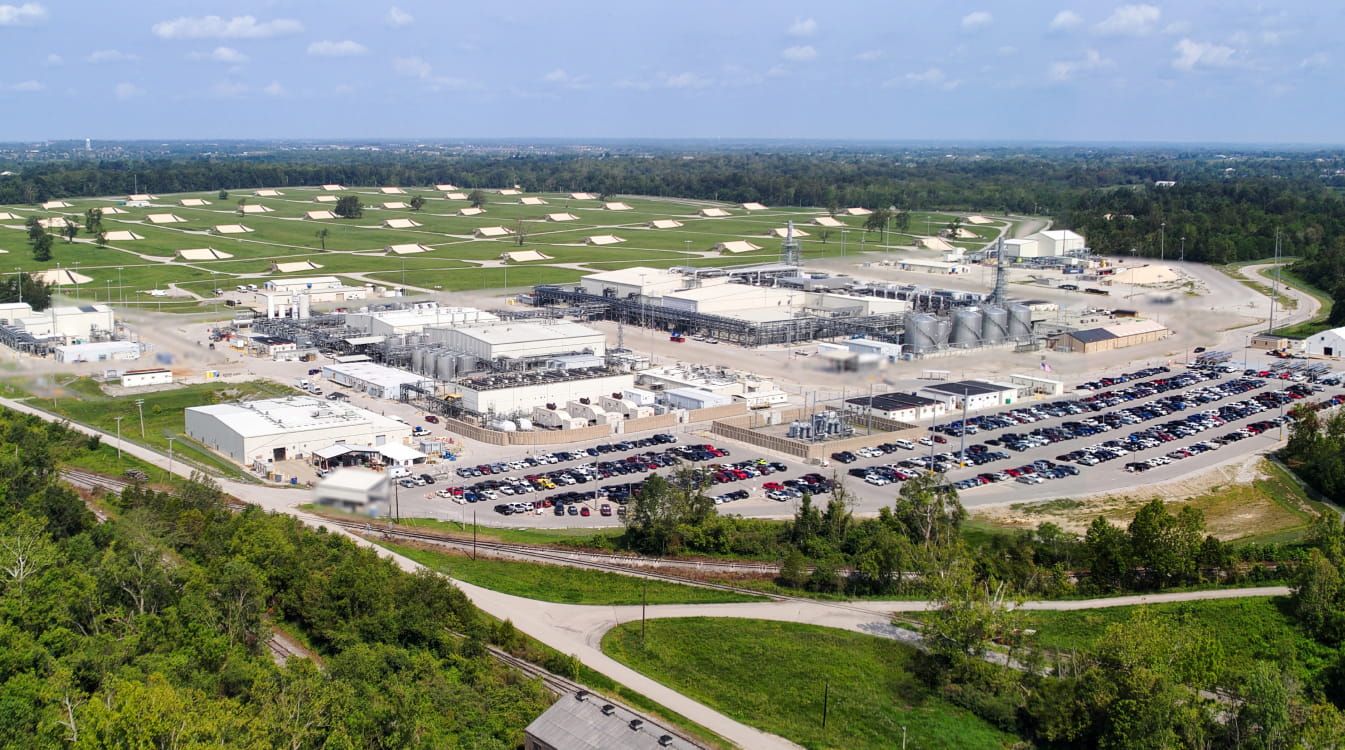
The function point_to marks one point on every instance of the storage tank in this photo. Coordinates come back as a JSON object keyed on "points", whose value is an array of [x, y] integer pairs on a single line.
{"points": [[524, 424], [966, 328], [446, 366], [994, 325], [944, 327], [466, 363], [1020, 322], [418, 361], [921, 332], [503, 425]]}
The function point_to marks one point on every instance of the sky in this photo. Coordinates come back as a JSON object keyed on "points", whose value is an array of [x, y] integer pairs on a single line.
{"points": [[1200, 71]]}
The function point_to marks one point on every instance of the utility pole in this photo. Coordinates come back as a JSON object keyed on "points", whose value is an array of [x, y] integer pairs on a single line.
{"points": [[826, 700], [644, 604], [119, 439], [473, 535], [1183, 248], [170, 439], [962, 456], [140, 407], [1162, 240], [1275, 288]]}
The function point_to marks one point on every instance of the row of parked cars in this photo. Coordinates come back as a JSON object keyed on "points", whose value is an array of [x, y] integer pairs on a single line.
{"points": [[557, 457]]}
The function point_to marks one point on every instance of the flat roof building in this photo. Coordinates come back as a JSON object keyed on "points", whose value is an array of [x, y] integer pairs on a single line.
{"points": [[98, 351], [354, 491], [277, 429], [583, 721], [415, 319], [521, 339], [146, 377], [1108, 338], [634, 281], [901, 407], [379, 381], [973, 395]]}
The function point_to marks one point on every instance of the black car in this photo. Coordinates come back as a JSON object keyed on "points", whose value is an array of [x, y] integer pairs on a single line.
{"points": [[845, 457], [428, 479]]}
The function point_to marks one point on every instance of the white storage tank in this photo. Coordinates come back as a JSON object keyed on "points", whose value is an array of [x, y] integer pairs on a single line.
{"points": [[502, 425]]}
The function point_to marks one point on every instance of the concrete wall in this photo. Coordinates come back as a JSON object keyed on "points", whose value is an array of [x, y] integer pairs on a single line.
{"points": [[656, 422], [741, 429], [717, 412]]}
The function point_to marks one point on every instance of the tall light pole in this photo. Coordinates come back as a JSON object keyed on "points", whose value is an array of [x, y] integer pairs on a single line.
{"points": [[119, 439], [170, 439], [1183, 248], [1162, 240], [121, 290], [140, 407], [18, 281]]}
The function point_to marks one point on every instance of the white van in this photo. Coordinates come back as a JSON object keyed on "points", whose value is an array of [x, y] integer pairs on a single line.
{"points": [[398, 472], [908, 445]]}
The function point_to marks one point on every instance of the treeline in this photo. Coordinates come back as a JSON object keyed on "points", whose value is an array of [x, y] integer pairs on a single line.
{"points": [[826, 549], [1316, 451], [150, 630]]}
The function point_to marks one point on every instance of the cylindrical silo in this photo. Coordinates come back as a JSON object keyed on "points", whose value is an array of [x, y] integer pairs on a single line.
{"points": [[920, 330], [466, 363], [966, 328], [445, 366], [418, 361], [943, 330], [1020, 322], [994, 325]]}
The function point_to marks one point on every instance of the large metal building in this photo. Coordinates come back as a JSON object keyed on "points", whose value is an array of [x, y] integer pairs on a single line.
{"points": [[520, 339], [277, 429]]}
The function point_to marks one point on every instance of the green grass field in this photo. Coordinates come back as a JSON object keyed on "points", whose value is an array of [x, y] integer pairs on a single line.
{"points": [[557, 583], [123, 271], [771, 675]]}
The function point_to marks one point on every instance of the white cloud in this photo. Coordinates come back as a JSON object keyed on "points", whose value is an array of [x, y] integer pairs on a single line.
{"points": [[684, 80], [803, 27], [801, 53], [125, 91], [870, 55], [1192, 54], [21, 15], [53, 60], [398, 17], [416, 67], [343, 48], [221, 54], [1064, 70], [215, 27], [25, 87], [561, 77], [1065, 20], [1315, 60], [274, 89], [1130, 20], [1177, 27], [229, 89], [111, 56], [977, 19], [931, 77]]}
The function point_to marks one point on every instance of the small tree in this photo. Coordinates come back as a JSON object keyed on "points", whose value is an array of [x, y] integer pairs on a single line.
{"points": [[520, 232], [322, 237], [349, 207], [241, 203], [224, 195], [34, 227], [417, 203], [477, 198], [824, 235], [71, 229], [93, 221], [42, 248]]}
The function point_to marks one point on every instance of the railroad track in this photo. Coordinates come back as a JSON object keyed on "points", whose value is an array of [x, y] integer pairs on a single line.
{"points": [[281, 651], [87, 480]]}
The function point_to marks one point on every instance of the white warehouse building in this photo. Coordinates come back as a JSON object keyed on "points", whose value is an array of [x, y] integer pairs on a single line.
{"points": [[415, 319], [379, 381], [1053, 243], [975, 394], [1022, 248], [1329, 344], [98, 351], [636, 281], [520, 339], [496, 395], [69, 323], [277, 429]]}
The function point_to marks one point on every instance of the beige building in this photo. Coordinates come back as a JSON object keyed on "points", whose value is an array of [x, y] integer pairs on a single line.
{"points": [[1109, 338]]}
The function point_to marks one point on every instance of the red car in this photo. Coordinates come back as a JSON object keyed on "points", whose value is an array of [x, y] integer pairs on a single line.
{"points": [[772, 486], [584, 511], [431, 419]]}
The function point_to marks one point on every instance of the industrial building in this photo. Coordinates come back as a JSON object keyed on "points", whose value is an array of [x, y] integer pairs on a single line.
{"points": [[354, 491], [519, 393], [68, 323], [694, 398], [277, 429], [583, 721], [520, 340], [1329, 344], [373, 379], [147, 377], [968, 327], [97, 351], [275, 347], [1022, 248], [735, 386], [1108, 338], [634, 282], [398, 321], [309, 284], [1053, 243], [900, 407], [971, 395]]}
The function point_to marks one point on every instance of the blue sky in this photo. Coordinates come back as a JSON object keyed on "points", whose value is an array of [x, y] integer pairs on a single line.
{"points": [[1196, 71]]}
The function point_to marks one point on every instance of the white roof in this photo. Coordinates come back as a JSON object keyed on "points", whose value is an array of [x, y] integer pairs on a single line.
{"points": [[828, 221], [401, 224], [933, 243], [348, 479], [522, 333], [203, 253], [976, 219], [268, 193], [292, 414], [736, 246], [395, 204], [256, 208], [90, 347], [446, 186], [399, 452], [856, 212], [333, 187], [1060, 235], [326, 199], [7, 216], [782, 232], [121, 236], [372, 372], [194, 202], [714, 213], [616, 206], [405, 249], [583, 196], [664, 224], [164, 219], [456, 196], [510, 191], [603, 239], [471, 211], [319, 215], [303, 265], [1134, 328], [489, 232], [635, 276], [112, 210], [62, 276], [522, 256], [55, 204], [230, 229], [532, 200], [561, 217], [392, 191], [754, 206]]}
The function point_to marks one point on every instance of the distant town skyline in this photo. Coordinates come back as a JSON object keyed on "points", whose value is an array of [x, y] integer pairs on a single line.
{"points": [[1032, 71]]}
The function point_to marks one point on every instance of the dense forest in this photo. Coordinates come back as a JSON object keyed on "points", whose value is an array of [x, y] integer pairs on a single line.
{"points": [[150, 630]]}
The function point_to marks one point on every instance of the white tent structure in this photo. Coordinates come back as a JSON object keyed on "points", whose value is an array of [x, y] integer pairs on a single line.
{"points": [[230, 229], [121, 236], [714, 213], [295, 267], [7, 216], [55, 222], [933, 243], [979, 220], [857, 211], [268, 193], [446, 187], [333, 188], [396, 205], [830, 222], [400, 224], [532, 201], [327, 199], [319, 215], [780, 233], [963, 234], [112, 210], [616, 206], [405, 249], [754, 206], [61, 277], [392, 191], [141, 197], [510, 191], [487, 233], [193, 202], [736, 246], [583, 196], [52, 205], [523, 256], [164, 219], [664, 224], [562, 217], [603, 239], [256, 208], [471, 211], [203, 253], [455, 196]]}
